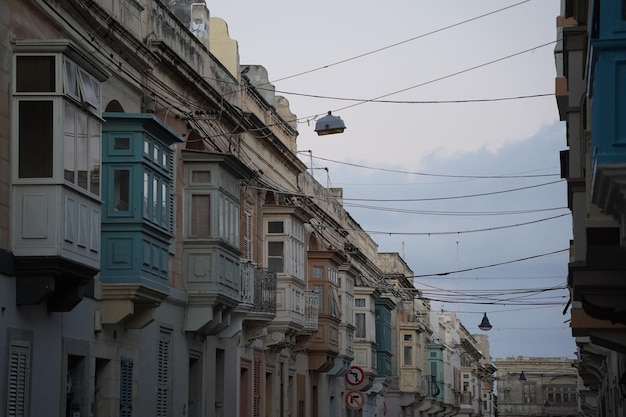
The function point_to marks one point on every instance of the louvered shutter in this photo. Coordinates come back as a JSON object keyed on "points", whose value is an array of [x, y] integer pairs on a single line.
{"points": [[256, 404], [126, 388], [19, 375], [163, 380], [247, 235]]}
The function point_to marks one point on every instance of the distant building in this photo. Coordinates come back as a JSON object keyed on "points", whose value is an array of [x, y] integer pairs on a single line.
{"points": [[537, 386]]}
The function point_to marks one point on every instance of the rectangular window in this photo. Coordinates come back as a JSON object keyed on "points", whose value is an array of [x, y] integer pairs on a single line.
{"points": [[408, 355], [35, 128], [359, 302], [121, 144], [319, 290], [126, 387], [335, 305], [529, 393], [19, 379], [90, 89], [275, 227], [146, 194], [69, 144], [201, 177], [408, 337], [200, 216], [318, 272], [81, 149], [71, 80], [35, 74], [276, 256], [82, 146], [121, 189], [164, 199], [359, 322]]}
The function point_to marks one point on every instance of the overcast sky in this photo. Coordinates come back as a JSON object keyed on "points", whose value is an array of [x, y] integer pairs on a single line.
{"points": [[451, 152]]}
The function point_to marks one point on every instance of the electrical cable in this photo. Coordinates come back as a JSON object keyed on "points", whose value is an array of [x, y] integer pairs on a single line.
{"points": [[452, 213], [456, 197], [425, 174], [460, 232], [398, 43], [492, 265]]}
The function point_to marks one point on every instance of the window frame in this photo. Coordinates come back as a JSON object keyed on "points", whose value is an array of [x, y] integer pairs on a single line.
{"points": [[63, 94]]}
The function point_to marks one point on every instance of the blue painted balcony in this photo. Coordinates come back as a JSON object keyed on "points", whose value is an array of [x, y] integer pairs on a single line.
{"points": [[137, 220]]}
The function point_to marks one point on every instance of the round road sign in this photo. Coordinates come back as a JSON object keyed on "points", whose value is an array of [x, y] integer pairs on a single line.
{"points": [[355, 400], [355, 376]]}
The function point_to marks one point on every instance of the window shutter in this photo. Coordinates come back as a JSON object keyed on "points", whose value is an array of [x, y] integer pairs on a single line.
{"points": [[247, 235], [126, 388], [163, 383], [19, 375], [256, 404]]}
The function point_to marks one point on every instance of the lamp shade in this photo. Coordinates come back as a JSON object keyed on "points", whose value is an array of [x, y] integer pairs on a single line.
{"points": [[485, 325], [329, 125]]}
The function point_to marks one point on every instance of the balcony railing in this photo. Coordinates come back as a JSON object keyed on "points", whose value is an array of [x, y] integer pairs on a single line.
{"points": [[431, 386], [264, 291], [258, 287], [247, 268]]}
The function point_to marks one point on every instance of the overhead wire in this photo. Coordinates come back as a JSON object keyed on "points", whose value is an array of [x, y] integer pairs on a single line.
{"points": [[426, 174], [492, 265], [343, 61], [463, 71], [510, 190], [461, 232], [454, 213]]}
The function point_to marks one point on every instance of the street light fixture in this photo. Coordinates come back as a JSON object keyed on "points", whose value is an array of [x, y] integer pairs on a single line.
{"points": [[522, 377], [329, 125], [485, 325]]}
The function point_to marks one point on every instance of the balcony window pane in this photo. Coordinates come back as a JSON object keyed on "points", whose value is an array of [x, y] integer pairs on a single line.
{"points": [[35, 74], [69, 144], [201, 177], [275, 227], [359, 322], [121, 143], [146, 194], [408, 355], [200, 216], [121, 189], [35, 139], [275, 256], [164, 198], [155, 199], [319, 290], [82, 149], [71, 80], [94, 156], [318, 272]]}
